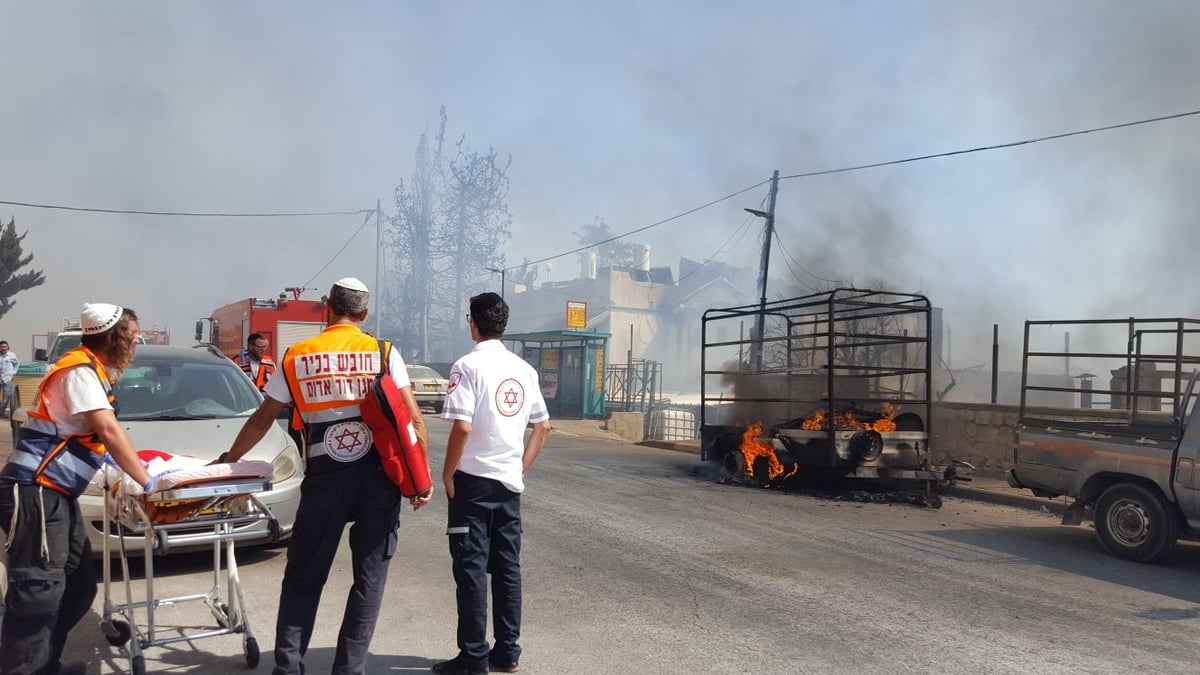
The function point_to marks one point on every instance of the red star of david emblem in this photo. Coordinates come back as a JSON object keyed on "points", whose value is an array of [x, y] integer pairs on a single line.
{"points": [[347, 439], [510, 397]]}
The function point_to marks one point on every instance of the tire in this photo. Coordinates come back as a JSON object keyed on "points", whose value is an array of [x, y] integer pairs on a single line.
{"points": [[437, 407], [252, 655], [116, 632], [1133, 523]]}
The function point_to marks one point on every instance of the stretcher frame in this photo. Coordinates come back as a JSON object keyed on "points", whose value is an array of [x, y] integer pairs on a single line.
{"points": [[225, 505]]}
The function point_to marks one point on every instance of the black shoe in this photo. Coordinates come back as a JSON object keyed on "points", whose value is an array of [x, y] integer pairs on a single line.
{"points": [[505, 667], [459, 666]]}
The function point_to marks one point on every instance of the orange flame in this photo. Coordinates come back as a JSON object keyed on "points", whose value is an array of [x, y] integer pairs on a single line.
{"points": [[751, 449], [847, 420]]}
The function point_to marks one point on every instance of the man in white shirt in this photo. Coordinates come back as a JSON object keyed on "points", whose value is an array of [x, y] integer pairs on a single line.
{"points": [[8, 369], [493, 396]]}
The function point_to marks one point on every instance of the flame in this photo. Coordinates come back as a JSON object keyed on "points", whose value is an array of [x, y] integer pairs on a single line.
{"points": [[751, 449], [847, 420]]}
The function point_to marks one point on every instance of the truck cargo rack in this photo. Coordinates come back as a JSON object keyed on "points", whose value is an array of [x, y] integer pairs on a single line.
{"points": [[838, 380]]}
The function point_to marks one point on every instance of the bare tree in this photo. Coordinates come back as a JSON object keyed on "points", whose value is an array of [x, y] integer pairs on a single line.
{"points": [[12, 281], [450, 224], [411, 233], [476, 225]]}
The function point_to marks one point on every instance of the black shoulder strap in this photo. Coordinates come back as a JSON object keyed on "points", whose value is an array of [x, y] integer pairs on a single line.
{"points": [[383, 357]]}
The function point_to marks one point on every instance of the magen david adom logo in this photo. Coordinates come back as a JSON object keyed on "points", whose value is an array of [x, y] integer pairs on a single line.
{"points": [[510, 397]]}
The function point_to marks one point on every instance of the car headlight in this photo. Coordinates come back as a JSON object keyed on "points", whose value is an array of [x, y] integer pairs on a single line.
{"points": [[286, 464]]}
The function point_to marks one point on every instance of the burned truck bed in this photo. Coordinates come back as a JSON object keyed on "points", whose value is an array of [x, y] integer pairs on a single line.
{"points": [[835, 383]]}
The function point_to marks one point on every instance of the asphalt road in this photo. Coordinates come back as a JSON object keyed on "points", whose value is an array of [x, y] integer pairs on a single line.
{"points": [[635, 561]]}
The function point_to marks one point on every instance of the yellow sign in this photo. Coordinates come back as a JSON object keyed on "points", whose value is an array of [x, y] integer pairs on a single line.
{"points": [[599, 370], [576, 314]]}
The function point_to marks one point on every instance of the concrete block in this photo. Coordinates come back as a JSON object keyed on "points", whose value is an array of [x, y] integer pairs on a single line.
{"points": [[628, 425]]}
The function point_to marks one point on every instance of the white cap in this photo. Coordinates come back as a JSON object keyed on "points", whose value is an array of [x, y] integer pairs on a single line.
{"points": [[98, 317], [351, 283]]}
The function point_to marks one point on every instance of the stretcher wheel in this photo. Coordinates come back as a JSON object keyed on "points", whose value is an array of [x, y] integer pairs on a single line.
{"points": [[138, 664], [252, 652], [226, 618], [116, 632]]}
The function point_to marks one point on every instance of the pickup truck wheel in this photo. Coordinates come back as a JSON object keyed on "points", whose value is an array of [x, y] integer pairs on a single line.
{"points": [[1133, 523]]}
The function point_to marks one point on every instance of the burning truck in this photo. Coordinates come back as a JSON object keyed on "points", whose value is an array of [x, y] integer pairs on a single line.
{"points": [[835, 384]]}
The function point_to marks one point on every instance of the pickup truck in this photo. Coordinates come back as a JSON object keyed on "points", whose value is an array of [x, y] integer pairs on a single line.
{"points": [[1131, 464]]}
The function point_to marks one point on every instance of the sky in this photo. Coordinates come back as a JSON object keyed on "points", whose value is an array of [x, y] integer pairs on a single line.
{"points": [[631, 111]]}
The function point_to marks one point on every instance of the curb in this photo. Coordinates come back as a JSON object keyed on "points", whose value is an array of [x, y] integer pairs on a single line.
{"points": [[693, 448], [1005, 499]]}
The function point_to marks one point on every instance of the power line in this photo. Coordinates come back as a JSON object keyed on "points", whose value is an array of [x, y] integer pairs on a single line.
{"points": [[343, 248], [997, 146], [647, 227], [826, 172], [738, 233], [135, 212]]}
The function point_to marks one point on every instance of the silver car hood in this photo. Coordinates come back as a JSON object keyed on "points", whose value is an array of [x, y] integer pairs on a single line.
{"points": [[205, 439]]}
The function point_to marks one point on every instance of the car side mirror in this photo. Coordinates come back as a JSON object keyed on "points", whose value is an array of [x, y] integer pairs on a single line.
{"points": [[39, 355], [199, 330]]}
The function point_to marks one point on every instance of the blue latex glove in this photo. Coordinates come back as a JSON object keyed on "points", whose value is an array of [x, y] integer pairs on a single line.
{"points": [[149, 486], [110, 460]]}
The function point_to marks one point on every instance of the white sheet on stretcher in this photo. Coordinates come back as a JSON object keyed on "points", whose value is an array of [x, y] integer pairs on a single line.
{"points": [[188, 471]]}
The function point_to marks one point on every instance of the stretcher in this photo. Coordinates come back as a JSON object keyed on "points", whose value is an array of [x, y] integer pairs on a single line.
{"points": [[224, 498]]}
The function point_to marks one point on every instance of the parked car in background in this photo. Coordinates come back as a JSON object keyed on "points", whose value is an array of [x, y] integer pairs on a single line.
{"points": [[193, 401], [442, 368], [429, 386]]}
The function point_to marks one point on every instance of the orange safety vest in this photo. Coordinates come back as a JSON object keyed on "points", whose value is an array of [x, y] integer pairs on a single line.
{"points": [[44, 457], [328, 376], [266, 368]]}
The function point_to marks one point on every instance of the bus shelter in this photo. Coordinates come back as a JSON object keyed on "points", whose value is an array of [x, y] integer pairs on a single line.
{"points": [[570, 366]]}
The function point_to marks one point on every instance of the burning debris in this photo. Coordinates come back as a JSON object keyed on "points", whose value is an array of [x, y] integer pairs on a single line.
{"points": [[847, 420], [752, 449]]}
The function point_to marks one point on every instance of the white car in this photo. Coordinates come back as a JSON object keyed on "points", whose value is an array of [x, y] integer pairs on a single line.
{"points": [[429, 387], [193, 401]]}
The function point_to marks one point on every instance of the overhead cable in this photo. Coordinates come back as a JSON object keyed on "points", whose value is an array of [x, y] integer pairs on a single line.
{"points": [[135, 212]]}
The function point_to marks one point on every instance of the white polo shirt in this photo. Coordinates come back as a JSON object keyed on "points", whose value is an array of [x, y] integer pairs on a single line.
{"points": [[498, 393]]}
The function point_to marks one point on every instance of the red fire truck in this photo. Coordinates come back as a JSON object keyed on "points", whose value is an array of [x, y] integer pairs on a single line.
{"points": [[282, 321]]}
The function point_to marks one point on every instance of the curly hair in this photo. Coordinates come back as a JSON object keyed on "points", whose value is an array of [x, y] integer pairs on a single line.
{"points": [[118, 342], [489, 313]]}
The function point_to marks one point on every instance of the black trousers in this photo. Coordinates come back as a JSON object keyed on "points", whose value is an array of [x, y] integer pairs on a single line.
{"points": [[484, 529], [48, 592], [361, 494]]}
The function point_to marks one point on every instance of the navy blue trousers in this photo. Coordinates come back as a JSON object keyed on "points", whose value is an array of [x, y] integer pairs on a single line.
{"points": [[484, 528], [47, 595], [359, 494]]}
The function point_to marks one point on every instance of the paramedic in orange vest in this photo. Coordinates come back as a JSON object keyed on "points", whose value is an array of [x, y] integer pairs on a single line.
{"points": [[326, 378], [72, 430], [254, 361]]}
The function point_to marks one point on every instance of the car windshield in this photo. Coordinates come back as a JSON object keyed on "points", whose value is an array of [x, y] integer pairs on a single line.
{"points": [[62, 345], [422, 373], [162, 390]]}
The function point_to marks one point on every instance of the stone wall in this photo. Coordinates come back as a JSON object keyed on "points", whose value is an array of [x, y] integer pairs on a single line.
{"points": [[979, 433]]}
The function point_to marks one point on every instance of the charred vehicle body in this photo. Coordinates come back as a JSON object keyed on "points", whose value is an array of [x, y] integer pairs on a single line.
{"points": [[836, 384]]}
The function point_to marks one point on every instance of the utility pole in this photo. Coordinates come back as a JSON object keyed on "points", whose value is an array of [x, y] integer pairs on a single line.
{"points": [[499, 271], [378, 258], [756, 340]]}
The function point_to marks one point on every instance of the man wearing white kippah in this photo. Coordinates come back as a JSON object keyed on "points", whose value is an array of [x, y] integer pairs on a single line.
{"points": [[326, 378], [71, 431]]}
